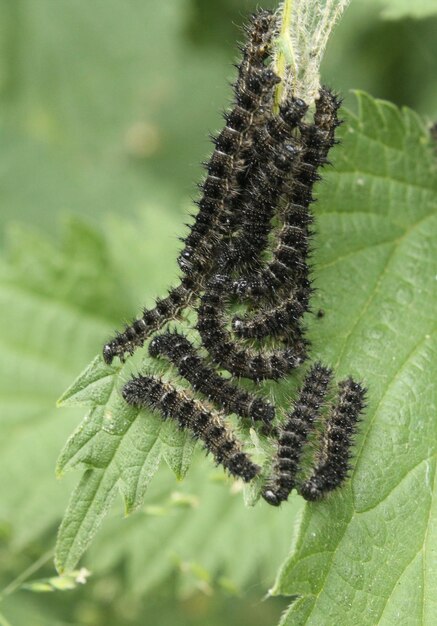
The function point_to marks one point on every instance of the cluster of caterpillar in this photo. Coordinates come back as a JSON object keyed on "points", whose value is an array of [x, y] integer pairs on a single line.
{"points": [[226, 170], [249, 247]]}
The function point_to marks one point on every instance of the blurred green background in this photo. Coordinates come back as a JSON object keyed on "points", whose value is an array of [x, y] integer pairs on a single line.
{"points": [[105, 109], [106, 105]]}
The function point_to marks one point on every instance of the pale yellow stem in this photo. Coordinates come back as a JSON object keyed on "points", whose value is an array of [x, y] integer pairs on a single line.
{"points": [[285, 57]]}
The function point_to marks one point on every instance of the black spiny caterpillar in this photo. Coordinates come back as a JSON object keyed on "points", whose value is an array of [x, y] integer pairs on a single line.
{"points": [[204, 379], [208, 426]]}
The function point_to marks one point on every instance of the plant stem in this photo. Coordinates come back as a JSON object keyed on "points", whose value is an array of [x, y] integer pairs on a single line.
{"points": [[19, 580], [285, 56]]}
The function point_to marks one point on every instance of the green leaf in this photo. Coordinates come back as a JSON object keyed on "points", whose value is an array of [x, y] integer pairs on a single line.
{"points": [[58, 308], [79, 266], [44, 336], [366, 554], [122, 449], [121, 446]]}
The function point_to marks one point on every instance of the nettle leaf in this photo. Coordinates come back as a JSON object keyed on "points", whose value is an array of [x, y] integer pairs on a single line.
{"points": [[44, 338], [79, 267], [366, 554], [376, 223], [121, 449], [58, 307]]}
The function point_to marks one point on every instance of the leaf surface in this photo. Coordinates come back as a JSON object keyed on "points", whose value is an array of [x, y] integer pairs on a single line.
{"points": [[367, 554]]}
